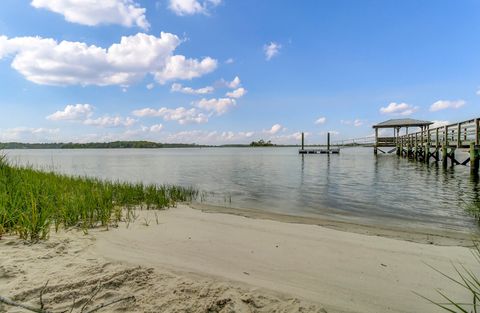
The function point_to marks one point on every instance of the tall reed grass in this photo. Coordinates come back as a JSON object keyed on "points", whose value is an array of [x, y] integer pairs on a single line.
{"points": [[32, 202]]}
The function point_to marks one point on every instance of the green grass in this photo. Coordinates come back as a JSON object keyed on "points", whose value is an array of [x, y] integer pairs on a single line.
{"points": [[34, 202], [466, 279]]}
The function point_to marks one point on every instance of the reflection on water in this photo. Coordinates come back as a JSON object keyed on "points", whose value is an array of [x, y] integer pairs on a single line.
{"points": [[353, 185]]}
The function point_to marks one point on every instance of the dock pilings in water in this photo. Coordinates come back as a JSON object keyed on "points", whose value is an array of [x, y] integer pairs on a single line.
{"points": [[441, 144]]}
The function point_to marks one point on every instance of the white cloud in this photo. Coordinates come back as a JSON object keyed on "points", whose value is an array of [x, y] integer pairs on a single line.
{"points": [[150, 86], [332, 133], [123, 12], [439, 124], [235, 83], [188, 90], [28, 134], [83, 113], [271, 50], [321, 120], [275, 129], [179, 67], [48, 62], [398, 109], [478, 92], [72, 112], [289, 138], [180, 115], [355, 122], [220, 105], [446, 104], [155, 128], [108, 121], [191, 7], [210, 137], [237, 93], [229, 61]]}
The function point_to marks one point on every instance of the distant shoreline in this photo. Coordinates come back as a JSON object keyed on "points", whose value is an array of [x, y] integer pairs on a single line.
{"points": [[135, 145]]}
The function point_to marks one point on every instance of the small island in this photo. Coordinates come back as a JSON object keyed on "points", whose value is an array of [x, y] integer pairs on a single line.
{"points": [[261, 143]]}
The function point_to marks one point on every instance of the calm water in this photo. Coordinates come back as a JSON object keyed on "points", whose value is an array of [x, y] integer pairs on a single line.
{"points": [[353, 185]]}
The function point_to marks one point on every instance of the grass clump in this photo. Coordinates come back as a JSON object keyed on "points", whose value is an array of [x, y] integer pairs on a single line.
{"points": [[466, 279], [33, 201]]}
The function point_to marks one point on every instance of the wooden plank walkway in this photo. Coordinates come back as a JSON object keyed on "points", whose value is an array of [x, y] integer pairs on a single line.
{"points": [[440, 144]]}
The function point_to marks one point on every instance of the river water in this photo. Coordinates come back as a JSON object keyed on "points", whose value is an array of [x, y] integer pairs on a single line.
{"points": [[354, 185]]}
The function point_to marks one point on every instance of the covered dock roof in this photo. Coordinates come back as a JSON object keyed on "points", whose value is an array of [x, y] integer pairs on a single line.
{"points": [[402, 122]]}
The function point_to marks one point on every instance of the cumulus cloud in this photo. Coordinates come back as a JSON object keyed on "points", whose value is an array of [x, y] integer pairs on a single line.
{"points": [[237, 93], [150, 86], [28, 134], [355, 122], [439, 124], [220, 105], [446, 104], [320, 120], [180, 115], [398, 109], [155, 128], [48, 62], [110, 121], [275, 129], [271, 50], [188, 90], [83, 113], [123, 12], [179, 67], [234, 84], [191, 7], [72, 112]]}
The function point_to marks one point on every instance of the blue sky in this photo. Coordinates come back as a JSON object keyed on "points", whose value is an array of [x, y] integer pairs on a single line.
{"points": [[232, 71]]}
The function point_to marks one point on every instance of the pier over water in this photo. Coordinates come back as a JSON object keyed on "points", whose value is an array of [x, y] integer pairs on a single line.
{"points": [[439, 144]]}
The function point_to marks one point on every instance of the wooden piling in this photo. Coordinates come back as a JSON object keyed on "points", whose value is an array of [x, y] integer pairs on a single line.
{"points": [[477, 131], [474, 158], [303, 141], [444, 156], [459, 135], [328, 141], [415, 156]]}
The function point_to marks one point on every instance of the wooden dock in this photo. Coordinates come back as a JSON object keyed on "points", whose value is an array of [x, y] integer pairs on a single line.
{"points": [[440, 144], [328, 150], [319, 151]]}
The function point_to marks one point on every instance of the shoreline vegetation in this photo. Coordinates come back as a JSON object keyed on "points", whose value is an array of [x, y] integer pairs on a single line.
{"points": [[34, 201], [127, 145], [142, 145]]}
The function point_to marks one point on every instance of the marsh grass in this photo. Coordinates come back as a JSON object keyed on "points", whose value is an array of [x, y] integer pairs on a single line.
{"points": [[465, 278], [32, 202]]}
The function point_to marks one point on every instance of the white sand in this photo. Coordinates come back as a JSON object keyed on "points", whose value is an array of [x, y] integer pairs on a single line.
{"points": [[211, 262]]}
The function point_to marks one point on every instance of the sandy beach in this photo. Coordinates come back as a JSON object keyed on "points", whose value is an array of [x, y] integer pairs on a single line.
{"points": [[188, 260]]}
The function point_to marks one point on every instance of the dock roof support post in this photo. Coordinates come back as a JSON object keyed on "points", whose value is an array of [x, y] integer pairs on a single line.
{"points": [[303, 141], [459, 135], [376, 141], [477, 131]]}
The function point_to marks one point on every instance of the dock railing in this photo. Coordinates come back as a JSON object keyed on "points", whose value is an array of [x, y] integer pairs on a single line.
{"points": [[459, 135]]}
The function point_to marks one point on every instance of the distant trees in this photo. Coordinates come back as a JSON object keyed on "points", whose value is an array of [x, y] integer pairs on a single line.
{"points": [[96, 145], [261, 143]]}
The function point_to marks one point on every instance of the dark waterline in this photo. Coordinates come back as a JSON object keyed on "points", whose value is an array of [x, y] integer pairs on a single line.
{"points": [[354, 185]]}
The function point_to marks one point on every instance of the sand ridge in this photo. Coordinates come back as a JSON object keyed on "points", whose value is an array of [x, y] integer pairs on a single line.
{"points": [[74, 273], [186, 260]]}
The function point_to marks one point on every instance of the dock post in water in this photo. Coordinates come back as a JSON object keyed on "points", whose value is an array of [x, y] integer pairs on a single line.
{"points": [[474, 157], [444, 148], [328, 141], [303, 141]]}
